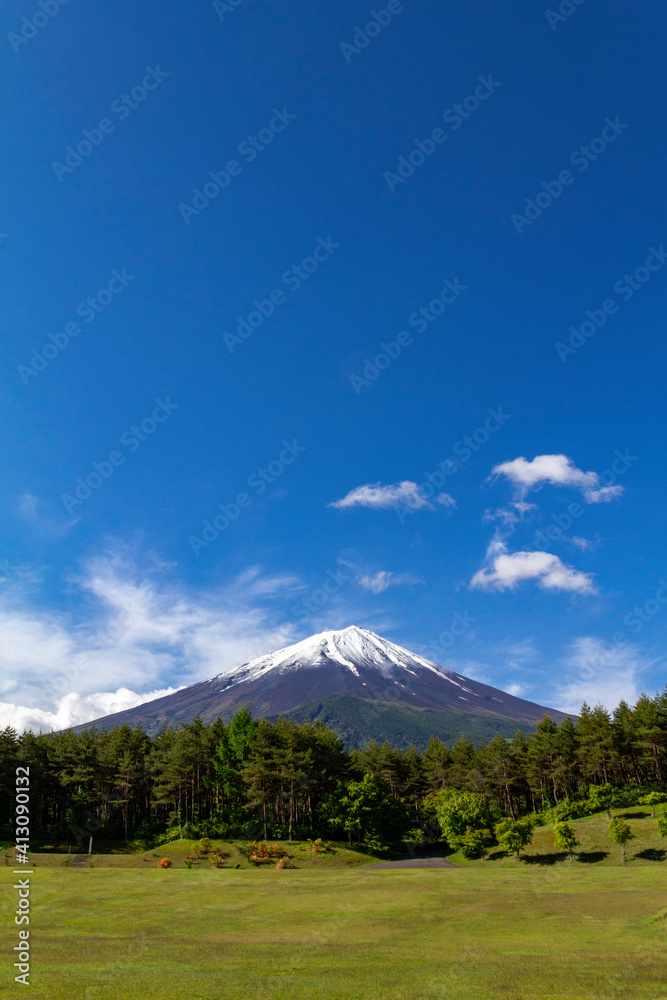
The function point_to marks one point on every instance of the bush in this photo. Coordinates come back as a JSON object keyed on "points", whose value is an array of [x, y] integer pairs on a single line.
{"points": [[284, 863], [428, 831], [570, 809], [320, 846], [604, 797], [368, 809], [374, 844], [202, 848], [216, 828], [173, 833], [474, 841], [628, 795], [631, 795], [279, 831], [260, 851], [164, 863]]}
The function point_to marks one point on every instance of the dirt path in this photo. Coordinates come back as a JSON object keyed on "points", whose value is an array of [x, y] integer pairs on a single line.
{"points": [[434, 862], [80, 861]]}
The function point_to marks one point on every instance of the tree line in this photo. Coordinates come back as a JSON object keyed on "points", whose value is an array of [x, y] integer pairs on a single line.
{"points": [[251, 777]]}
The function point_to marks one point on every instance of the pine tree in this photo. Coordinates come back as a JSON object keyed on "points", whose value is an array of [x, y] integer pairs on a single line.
{"points": [[436, 763]]}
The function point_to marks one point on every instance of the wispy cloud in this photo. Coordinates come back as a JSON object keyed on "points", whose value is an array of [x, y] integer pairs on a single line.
{"points": [[558, 470], [384, 579], [29, 509], [405, 494], [505, 570], [510, 515], [585, 544], [517, 690], [600, 672], [141, 633], [256, 583]]}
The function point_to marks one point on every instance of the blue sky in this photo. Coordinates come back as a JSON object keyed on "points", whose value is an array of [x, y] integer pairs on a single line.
{"points": [[258, 236]]}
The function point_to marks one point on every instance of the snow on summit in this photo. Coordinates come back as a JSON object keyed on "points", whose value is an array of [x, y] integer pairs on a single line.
{"points": [[313, 675], [351, 647]]}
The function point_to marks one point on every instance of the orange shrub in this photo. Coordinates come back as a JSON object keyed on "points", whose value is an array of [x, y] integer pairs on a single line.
{"points": [[320, 846], [164, 863], [261, 851]]}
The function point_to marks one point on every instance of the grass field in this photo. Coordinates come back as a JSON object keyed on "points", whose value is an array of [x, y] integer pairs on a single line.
{"points": [[546, 929], [528, 934]]}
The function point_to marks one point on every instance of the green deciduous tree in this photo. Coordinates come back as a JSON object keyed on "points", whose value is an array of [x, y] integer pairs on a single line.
{"points": [[662, 825], [460, 812], [653, 799], [602, 797], [565, 838], [620, 833], [475, 841], [514, 834], [369, 809]]}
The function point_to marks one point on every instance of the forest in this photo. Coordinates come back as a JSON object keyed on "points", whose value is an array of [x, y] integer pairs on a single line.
{"points": [[252, 777]]}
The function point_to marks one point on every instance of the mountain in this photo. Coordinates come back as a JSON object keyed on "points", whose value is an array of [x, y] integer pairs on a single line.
{"points": [[360, 684]]}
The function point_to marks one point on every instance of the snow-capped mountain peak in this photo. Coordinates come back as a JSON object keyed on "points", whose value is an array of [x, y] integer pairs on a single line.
{"points": [[353, 673], [352, 648]]}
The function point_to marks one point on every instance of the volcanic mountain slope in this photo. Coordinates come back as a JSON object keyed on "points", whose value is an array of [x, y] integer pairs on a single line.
{"points": [[339, 674]]}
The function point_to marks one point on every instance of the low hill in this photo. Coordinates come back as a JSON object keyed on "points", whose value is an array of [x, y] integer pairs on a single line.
{"points": [[595, 847]]}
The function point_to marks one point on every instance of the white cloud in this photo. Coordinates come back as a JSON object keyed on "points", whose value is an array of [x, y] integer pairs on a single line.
{"points": [[599, 672], [140, 634], [72, 709], [559, 470], [517, 690], [510, 515], [505, 570], [406, 494], [384, 579], [521, 651], [257, 584], [29, 511], [582, 543]]}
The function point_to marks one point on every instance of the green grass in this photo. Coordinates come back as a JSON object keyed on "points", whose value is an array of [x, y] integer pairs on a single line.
{"points": [[540, 929], [560, 933], [648, 848]]}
